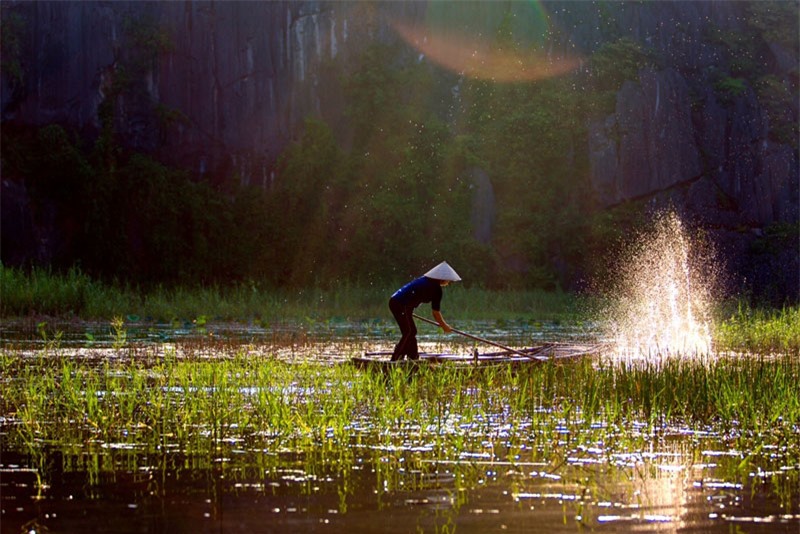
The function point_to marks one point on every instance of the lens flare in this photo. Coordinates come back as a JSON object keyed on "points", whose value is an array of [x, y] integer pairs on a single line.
{"points": [[662, 298], [498, 41]]}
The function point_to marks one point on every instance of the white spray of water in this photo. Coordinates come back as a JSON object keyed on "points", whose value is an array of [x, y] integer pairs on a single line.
{"points": [[662, 300]]}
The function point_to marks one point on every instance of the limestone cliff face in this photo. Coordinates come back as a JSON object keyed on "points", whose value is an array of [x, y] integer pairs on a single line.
{"points": [[647, 145], [679, 135], [670, 127], [654, 142], [211, 86], [222, 87]]}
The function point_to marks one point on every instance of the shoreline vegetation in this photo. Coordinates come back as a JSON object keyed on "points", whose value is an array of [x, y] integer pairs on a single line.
{"points": [[75, 296]]}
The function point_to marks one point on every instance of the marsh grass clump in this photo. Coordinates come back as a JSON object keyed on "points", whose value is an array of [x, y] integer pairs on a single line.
{"points": [[757, 330], [73, 293]]}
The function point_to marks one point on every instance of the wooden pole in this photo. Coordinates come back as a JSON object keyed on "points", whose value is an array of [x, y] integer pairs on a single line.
{"points": [[482, 340]]}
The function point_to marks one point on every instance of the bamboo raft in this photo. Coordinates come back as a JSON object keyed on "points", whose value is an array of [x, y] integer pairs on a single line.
{"points": [[528, 356]]}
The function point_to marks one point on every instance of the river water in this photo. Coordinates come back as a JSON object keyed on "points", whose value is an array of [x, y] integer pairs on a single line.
{"points": [[674, 478]]}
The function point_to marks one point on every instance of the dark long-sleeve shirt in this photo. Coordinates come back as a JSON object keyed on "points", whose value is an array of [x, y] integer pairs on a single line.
{"points": [[421, 290]]}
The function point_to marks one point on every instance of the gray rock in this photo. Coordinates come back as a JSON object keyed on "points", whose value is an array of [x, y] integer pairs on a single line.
{"points": [[648, 144]]}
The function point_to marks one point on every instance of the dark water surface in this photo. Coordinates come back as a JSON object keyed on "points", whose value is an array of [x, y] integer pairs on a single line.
{"points": [[287, 492], [33, 333]]}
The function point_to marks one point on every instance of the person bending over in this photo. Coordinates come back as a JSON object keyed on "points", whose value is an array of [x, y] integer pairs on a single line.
{"points": [[426, 288]]}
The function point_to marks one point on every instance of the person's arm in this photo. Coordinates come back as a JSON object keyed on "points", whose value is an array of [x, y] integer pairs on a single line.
{"points": [[439, 319]]}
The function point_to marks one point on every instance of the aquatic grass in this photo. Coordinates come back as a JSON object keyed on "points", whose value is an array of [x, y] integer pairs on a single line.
{"points": [[759, 330], [237, 410], [206, 406], [70, 295], [42, 292]]}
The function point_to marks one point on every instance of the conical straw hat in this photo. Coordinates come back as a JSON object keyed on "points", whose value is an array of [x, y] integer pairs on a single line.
{"points": [[443, 272]]}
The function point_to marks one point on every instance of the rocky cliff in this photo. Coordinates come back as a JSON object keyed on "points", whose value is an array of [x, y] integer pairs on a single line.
{"points": [[216, 87], [221, 88], [710, 127]]}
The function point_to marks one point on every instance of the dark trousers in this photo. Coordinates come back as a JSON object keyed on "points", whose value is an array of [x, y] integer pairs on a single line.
{"points": [[407, 346]]}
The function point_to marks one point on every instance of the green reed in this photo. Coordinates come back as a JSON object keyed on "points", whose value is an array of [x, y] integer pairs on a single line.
{"points": [[738, 327], [759, 330], [42, 292], [201, 405], [206, 408], [75, 294]]}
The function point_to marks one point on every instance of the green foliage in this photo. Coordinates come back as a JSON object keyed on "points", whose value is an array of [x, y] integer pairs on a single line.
{"points": [[608, 234], [776, 97], [401, 198], [760, 330], [777, 237], [148, 40], [395, 197], [738, 51], [729, 88], [60, 171], [406, 197], [609, 67], [376, 95], [43, 292], [167, 117], [128, 216], [309, 196], [37, 292], [525, 137], [11, 28], [743, 50], [616, 62], [776, 21]]}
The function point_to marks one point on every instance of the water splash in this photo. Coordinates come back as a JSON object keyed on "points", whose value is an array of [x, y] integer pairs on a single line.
{"points": [[662, 298]]}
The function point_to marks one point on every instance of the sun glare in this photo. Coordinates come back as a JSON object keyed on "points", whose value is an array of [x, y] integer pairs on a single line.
{"points": [[661, 303], [464, 40]]}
